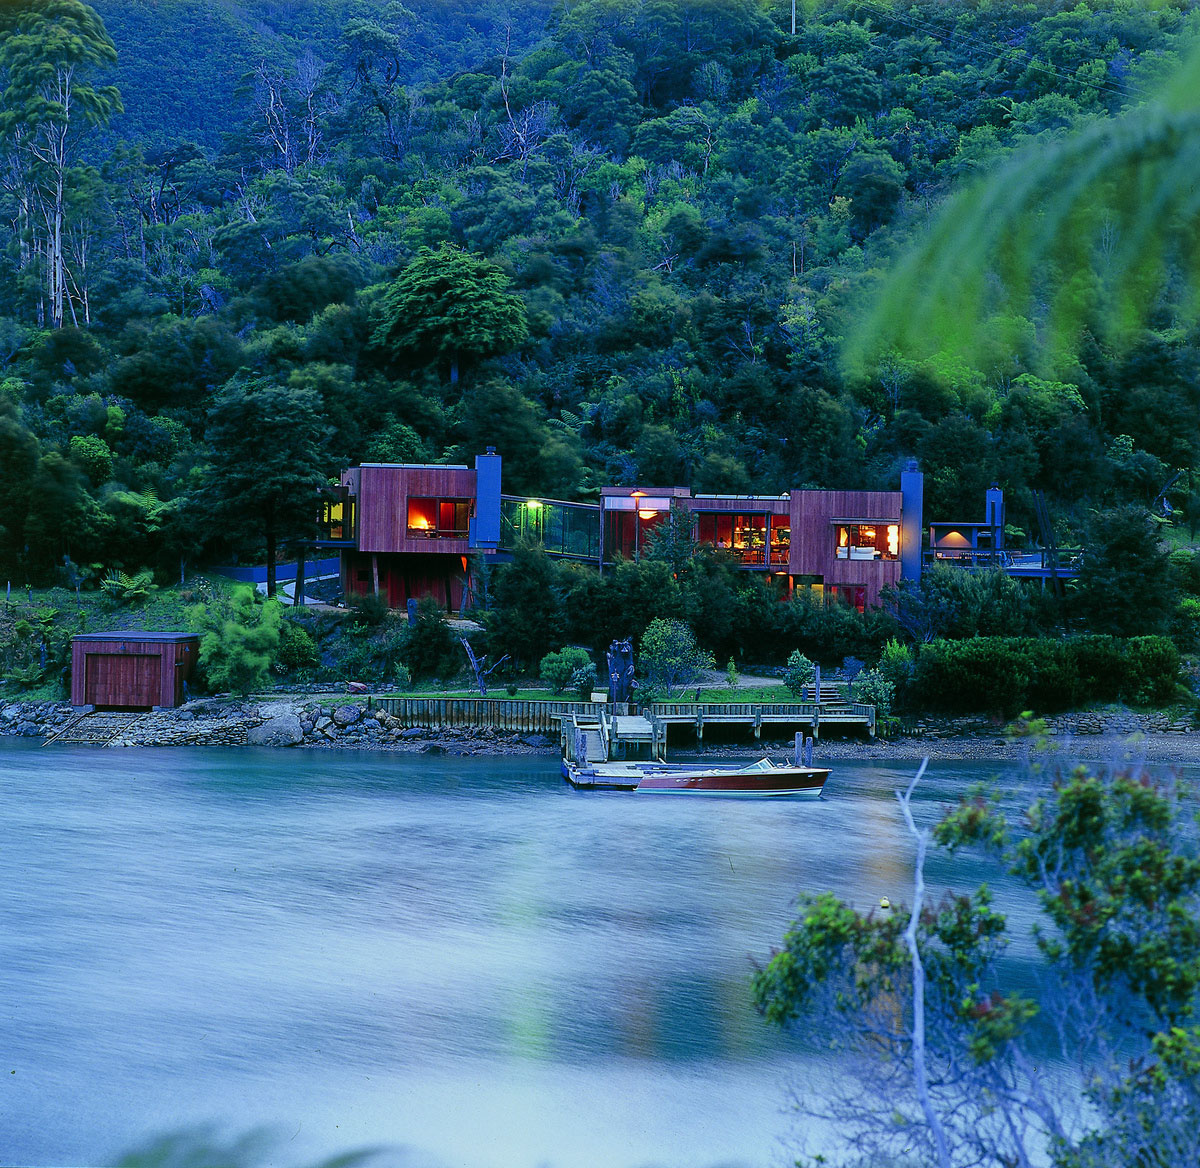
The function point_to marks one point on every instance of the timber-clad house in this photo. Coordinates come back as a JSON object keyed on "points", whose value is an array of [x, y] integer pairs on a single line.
{"points": [[408, 531]]}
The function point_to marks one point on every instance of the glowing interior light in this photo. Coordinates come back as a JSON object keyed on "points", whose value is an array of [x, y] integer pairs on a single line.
{"points": [[647, 514], [533, 505], [893, 536]]}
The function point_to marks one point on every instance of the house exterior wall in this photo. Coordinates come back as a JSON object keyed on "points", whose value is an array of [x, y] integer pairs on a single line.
{"points": [[404, 577], [383, 493], [814, 540]]}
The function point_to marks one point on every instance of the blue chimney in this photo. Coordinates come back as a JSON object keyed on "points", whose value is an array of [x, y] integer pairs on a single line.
{"points": [[912, 523], [485, 527], [994, 517]]}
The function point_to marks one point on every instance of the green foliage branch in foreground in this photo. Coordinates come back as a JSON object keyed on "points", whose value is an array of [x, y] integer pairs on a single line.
{"points": [[1086, 230], [951, 1053]]}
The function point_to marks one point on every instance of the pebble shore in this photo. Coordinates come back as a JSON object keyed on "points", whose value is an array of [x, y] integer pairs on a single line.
{"points": [[1116, 735]]}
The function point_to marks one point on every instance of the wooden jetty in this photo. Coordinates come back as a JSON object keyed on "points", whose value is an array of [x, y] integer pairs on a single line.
{"points": [[603, 735]]}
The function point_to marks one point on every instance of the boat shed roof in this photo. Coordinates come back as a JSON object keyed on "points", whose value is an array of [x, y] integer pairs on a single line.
{"points": [[137, 635]]}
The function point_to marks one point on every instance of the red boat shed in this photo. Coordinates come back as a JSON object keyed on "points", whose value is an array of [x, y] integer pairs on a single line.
{"points": [[131, 670]]}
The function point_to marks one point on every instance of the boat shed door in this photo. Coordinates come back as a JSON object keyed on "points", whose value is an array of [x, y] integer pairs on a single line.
{"points": [[123, 680]]}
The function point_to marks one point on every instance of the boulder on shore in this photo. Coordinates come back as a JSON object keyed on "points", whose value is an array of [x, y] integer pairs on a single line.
{"points": [[284, 730]]}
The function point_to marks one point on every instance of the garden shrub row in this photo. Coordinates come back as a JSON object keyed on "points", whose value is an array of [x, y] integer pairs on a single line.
{"points": [[1010, 674]]}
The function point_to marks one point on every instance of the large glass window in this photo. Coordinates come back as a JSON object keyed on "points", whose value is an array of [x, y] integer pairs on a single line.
{"points": [[627, 534], [868, 541], [563, 529], [337, 519], [755, 539], [438, 518]]}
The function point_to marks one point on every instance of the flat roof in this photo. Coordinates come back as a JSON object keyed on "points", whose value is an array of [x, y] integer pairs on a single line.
{"points": [[410, 466], [137, 635]]}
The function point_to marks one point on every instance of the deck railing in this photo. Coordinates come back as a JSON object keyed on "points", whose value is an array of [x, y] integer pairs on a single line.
{"points": [[535, 716]]}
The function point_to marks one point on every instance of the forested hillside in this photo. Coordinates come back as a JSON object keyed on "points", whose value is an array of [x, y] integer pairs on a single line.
{"points": [[618, 240]]}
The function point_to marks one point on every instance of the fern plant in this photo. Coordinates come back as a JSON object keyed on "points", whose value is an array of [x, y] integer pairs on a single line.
{"points": [[126, 591]]}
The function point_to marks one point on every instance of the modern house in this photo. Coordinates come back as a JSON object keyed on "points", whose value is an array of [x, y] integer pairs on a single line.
{"points": [[406, 531], [409, 531]]}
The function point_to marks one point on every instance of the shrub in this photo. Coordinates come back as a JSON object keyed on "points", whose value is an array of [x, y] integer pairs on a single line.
{"points": [[876, 690], [896, 665], [297, 649], [1153, 669], [429, 648], [983, 673], [800, 672], [240, 639], [1099, 665], [1009, 674], [731, 674], [370, 610], [583, 681], [670, 657], [557, 669]]}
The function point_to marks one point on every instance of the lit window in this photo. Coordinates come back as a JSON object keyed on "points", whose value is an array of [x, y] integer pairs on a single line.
{"points": [[438, 518], [868, 541]]}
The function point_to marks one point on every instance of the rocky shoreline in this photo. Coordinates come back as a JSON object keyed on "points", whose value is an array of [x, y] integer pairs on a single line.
{"points": [[323, 722]]}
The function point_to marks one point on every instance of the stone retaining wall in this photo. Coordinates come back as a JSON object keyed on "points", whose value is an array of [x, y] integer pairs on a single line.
{"points": [[279, 722]]}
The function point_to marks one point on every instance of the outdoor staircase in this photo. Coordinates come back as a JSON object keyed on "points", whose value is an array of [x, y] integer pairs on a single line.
{"points": [[97, 728], [594, 748]]}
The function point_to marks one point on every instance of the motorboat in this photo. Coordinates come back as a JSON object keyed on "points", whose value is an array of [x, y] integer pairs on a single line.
{"points": [[758, 780]]}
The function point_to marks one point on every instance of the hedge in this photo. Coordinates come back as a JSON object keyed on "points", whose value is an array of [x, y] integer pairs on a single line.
{"points": [[1010, 674]]}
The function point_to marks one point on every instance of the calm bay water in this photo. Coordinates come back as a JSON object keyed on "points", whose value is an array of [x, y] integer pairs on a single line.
{"points": [[460, 956]]}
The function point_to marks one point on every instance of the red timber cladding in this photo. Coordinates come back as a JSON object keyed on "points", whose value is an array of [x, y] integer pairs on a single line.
{"points": [[813, 550], [128, 673], [383, 494], [402, 577]]}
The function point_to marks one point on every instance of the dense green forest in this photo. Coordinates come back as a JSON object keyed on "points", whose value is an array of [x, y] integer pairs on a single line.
{"points": [[621, 241]]}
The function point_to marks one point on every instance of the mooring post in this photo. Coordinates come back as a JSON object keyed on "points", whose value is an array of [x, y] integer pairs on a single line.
{"points": [[808, 752], [798, 753]]}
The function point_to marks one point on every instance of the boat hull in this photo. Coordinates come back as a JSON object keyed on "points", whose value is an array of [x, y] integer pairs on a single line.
{"points": [[781, 783], [763, 780]]}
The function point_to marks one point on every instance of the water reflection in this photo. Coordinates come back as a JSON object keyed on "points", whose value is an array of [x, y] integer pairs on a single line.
{"points": [[458, 955]]}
